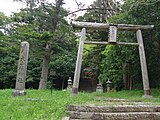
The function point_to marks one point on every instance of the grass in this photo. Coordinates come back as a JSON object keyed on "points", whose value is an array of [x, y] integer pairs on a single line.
{"points": [[41, 105]]}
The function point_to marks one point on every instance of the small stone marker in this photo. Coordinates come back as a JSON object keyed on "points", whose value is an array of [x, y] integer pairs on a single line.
{"points": [[99, 88], [22, 68]]}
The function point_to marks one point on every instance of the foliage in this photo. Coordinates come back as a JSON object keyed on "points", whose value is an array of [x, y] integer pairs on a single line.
{"points": [[38, 104], [98, 12], [150, 15], [135, 12], [42, 105], [34, 25], [63, 65], [8, 54]]}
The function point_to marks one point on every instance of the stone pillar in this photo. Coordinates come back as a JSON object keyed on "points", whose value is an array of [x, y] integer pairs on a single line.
{"points": [[78, 63], [145, 78], [22, 68]]}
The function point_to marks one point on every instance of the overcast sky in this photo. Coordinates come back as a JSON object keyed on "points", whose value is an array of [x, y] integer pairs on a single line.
{"points": [[7, 6]]}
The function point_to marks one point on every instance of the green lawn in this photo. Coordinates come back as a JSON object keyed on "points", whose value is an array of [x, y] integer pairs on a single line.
{"points": [[41, 105]]}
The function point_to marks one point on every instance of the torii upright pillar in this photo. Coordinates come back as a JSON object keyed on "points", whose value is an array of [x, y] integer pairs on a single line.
{"points": [[78, 63], [145, 78]]}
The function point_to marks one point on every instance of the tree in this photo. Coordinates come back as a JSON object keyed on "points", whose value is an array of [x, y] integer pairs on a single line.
{"points": [[135, 12], [53, 19], [99, 11], [8, 54], [47, 38], [46, 59]]}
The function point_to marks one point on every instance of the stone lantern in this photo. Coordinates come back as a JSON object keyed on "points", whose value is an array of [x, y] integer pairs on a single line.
{"points": [[109, 83], [69, 87]]}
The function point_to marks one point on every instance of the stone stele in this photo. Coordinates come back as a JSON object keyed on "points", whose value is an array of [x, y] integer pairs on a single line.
{"points": [[22, 69]]}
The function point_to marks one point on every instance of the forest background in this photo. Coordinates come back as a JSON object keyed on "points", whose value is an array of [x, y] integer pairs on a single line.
{"points": [[54, 43]]}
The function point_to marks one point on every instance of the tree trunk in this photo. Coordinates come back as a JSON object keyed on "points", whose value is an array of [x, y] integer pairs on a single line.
{"points": [[127, 76], [45, 66], [46, 59], [63, 83], [124, 76]]}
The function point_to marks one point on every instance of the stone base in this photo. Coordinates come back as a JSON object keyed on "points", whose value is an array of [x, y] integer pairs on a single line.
{"points": [[147, 96], [18, 93], [74, 91], [99, 88], [66, 118]]}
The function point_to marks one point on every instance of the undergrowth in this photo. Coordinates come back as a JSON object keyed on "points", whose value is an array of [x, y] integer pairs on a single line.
{"points": [[42, 105]]}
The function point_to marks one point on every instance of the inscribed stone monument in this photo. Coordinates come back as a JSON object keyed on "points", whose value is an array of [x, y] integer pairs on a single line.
{"points": [[22, 69]]}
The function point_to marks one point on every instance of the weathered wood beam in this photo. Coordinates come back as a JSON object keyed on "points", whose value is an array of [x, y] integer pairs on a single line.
{"points": [[78, 63], [105, 27], [145, 78], [108, 43]]}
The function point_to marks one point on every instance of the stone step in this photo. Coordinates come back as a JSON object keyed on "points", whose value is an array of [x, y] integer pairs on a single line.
{"points": [[80, 119], [115, 100], [115, 116], [120, 108]]}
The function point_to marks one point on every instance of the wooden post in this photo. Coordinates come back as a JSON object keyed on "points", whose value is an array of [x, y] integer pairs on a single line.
{"points": [[22, 69], [78, 63], [145, 78]]}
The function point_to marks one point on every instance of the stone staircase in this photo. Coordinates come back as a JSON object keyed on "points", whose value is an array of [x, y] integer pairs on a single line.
{"points": [[114, 112]]}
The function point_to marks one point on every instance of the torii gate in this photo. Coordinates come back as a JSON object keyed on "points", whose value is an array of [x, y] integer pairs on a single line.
{"points": [[113, 28]]}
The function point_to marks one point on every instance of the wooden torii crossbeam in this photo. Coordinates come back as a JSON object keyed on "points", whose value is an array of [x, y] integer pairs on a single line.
{"points": [[105, 27], [112, 28]]}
